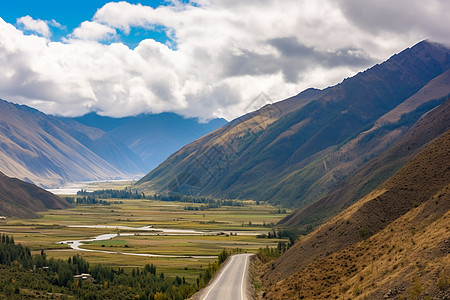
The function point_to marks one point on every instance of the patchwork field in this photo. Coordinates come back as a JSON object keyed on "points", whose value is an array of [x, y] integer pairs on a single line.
{"points": [[213, 230]]}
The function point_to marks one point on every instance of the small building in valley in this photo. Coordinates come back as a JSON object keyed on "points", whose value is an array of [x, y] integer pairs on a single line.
{"points": [[84, 276]]}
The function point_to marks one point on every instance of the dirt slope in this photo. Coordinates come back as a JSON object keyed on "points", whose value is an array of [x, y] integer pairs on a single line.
{"points": [[395, 241]]}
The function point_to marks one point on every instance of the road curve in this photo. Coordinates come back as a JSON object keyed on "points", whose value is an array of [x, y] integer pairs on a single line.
{"points": [[231, 282]]}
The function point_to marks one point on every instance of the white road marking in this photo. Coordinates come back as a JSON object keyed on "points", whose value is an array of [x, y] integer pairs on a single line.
{"points": [[218, 278], [243, 277]]}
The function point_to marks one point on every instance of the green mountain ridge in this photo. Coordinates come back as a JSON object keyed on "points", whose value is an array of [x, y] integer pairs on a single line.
{"points": [[373, 173], [295, 156]]}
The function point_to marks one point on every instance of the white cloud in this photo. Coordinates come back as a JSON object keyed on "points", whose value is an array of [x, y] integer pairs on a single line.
{"points": [[401, 16], [37, 26], [93, 31], [226, 53], [53, 23]]}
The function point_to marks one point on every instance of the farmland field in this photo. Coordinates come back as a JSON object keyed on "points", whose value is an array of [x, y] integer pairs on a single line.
{"points": [[226, 227]]}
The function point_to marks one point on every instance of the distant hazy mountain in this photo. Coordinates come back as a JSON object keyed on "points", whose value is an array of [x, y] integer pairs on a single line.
{"points": [[48, 152], [296, 151], [22, 199], [152, 137]]}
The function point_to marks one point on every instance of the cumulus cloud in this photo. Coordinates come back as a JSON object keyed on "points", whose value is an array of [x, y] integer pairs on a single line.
{"points": [[93, 31], [37, 26], [401, 16], [226, 53], [297, 57]]}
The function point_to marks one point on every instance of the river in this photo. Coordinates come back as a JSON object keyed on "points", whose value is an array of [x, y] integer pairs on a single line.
{"points": [[148, 230]]}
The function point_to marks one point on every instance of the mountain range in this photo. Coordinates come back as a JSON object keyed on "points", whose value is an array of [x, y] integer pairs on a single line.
{"points": [[42, 149], [152, 137], [365, 164], [52, 151], [298, 151]]}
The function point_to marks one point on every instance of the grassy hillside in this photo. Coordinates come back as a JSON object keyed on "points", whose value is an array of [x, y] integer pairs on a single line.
{"points": [[377, 170], [392, 242]]}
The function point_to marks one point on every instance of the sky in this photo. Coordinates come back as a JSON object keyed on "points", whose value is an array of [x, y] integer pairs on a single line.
{"points": [[199, 58]]}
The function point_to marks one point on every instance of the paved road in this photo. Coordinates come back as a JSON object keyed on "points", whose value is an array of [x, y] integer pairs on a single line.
{"points": [[231, 282]]}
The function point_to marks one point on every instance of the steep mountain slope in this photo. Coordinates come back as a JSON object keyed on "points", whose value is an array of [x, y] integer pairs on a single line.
{"points": [[374, 172], [293, 152], [41, 149], [152, 137], [22, 199], [392, 242]]}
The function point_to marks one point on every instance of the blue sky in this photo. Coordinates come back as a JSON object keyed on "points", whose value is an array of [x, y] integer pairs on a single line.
{"points": [[70, 14], [198, 58]]}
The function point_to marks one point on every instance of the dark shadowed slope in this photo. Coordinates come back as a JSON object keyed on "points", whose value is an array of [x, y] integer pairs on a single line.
{"points": [[22, 199]]}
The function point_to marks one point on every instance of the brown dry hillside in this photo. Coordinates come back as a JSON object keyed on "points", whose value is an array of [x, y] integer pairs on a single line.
{"points": [[374, 172], [395, 241], [22, 199]]}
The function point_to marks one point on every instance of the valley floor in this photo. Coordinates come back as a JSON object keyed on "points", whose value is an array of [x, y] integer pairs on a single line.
{"points": [[186, 254]]}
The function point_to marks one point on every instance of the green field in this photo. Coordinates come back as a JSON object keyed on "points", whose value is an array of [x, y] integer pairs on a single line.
{"points": [[224, 227]]}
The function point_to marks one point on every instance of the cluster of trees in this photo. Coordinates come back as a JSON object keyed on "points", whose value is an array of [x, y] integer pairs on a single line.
{"points": [[21, 272], [126, 193], [281, 211], [93, 196], [289, 233], [211, 203], [90, 200], [269, 253], [11, 253]]}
